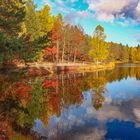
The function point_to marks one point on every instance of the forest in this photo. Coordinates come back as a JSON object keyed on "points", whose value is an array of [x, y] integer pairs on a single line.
{"points": [[31, 35]]}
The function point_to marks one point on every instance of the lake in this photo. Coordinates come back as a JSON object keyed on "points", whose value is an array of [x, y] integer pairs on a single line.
{"points": [[103, 105]]}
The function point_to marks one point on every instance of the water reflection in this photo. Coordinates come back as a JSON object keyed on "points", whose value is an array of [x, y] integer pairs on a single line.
{"points": [[100, 105]]}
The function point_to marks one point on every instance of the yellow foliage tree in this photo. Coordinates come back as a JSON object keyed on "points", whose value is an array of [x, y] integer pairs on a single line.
{"points": [[45, 20], [99, 50]]}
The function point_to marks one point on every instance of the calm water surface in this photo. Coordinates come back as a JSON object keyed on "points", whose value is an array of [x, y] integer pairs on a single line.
{"points": [[102, 105]]}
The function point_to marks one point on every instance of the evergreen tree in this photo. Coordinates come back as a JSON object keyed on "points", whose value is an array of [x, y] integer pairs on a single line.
{"points": [[31, 20], [12, 14]]}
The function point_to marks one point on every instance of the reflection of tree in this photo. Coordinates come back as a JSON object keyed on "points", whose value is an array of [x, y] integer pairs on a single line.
{"points": [[20, 106], [9, 113], [98, 101], [23, 100], [71, 92], [97, 86], [124, 72]]}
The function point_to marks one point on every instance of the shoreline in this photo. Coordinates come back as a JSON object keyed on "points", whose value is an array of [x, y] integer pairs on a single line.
{"points": [[40, 69], [46, 68]]}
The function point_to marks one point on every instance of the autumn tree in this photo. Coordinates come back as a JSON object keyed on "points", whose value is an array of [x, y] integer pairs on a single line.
{"points": [[68, 39], [99, 50], [118, 52], [87, 45], [132, 54], [125, 53], [39, 24], [57, 34], [78, 38], [31, 20], [75, 41], [45, 20], [138, 53], [65, 41]]}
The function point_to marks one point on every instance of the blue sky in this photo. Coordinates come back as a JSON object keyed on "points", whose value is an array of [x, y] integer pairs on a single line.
{"points": [[120, 18]]}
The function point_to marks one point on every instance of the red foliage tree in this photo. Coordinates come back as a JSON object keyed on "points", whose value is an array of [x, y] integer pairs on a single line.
{"points": [[50, 53], [22, 90], [57, 34], [47, 84]]}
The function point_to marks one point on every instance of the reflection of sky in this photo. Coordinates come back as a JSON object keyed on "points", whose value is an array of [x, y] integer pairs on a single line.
{"points": [[125, 89], [119, 116], [122, 130]]}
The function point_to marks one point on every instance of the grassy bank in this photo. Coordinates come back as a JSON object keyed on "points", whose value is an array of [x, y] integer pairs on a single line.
{"points": [[40, 68], [97, 67], [43, 68]]}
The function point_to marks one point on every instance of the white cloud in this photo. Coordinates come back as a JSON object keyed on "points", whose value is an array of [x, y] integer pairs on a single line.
{"points": [[138, 7], [105, 17], [110, 10], [108, 6], [95, 134], [83, 14], [137, 113], [138, 11], [122, 12], [75, 16]]}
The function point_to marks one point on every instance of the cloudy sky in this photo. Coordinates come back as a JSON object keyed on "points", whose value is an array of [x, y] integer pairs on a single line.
{"points": [[120, 18]]}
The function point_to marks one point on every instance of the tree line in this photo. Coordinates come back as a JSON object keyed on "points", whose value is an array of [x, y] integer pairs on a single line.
{"points": [[36, 35]]}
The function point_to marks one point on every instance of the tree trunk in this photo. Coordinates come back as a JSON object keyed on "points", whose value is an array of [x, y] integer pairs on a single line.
{"points": [[98, 53], [57, 88], [63, 85], [57, 55], [63, 51], [97, 73], [75, 55], [97, 62], [68, 53]]}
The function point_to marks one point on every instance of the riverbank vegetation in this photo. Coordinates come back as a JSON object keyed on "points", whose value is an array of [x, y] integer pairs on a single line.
{"points": [[31, 35]]}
